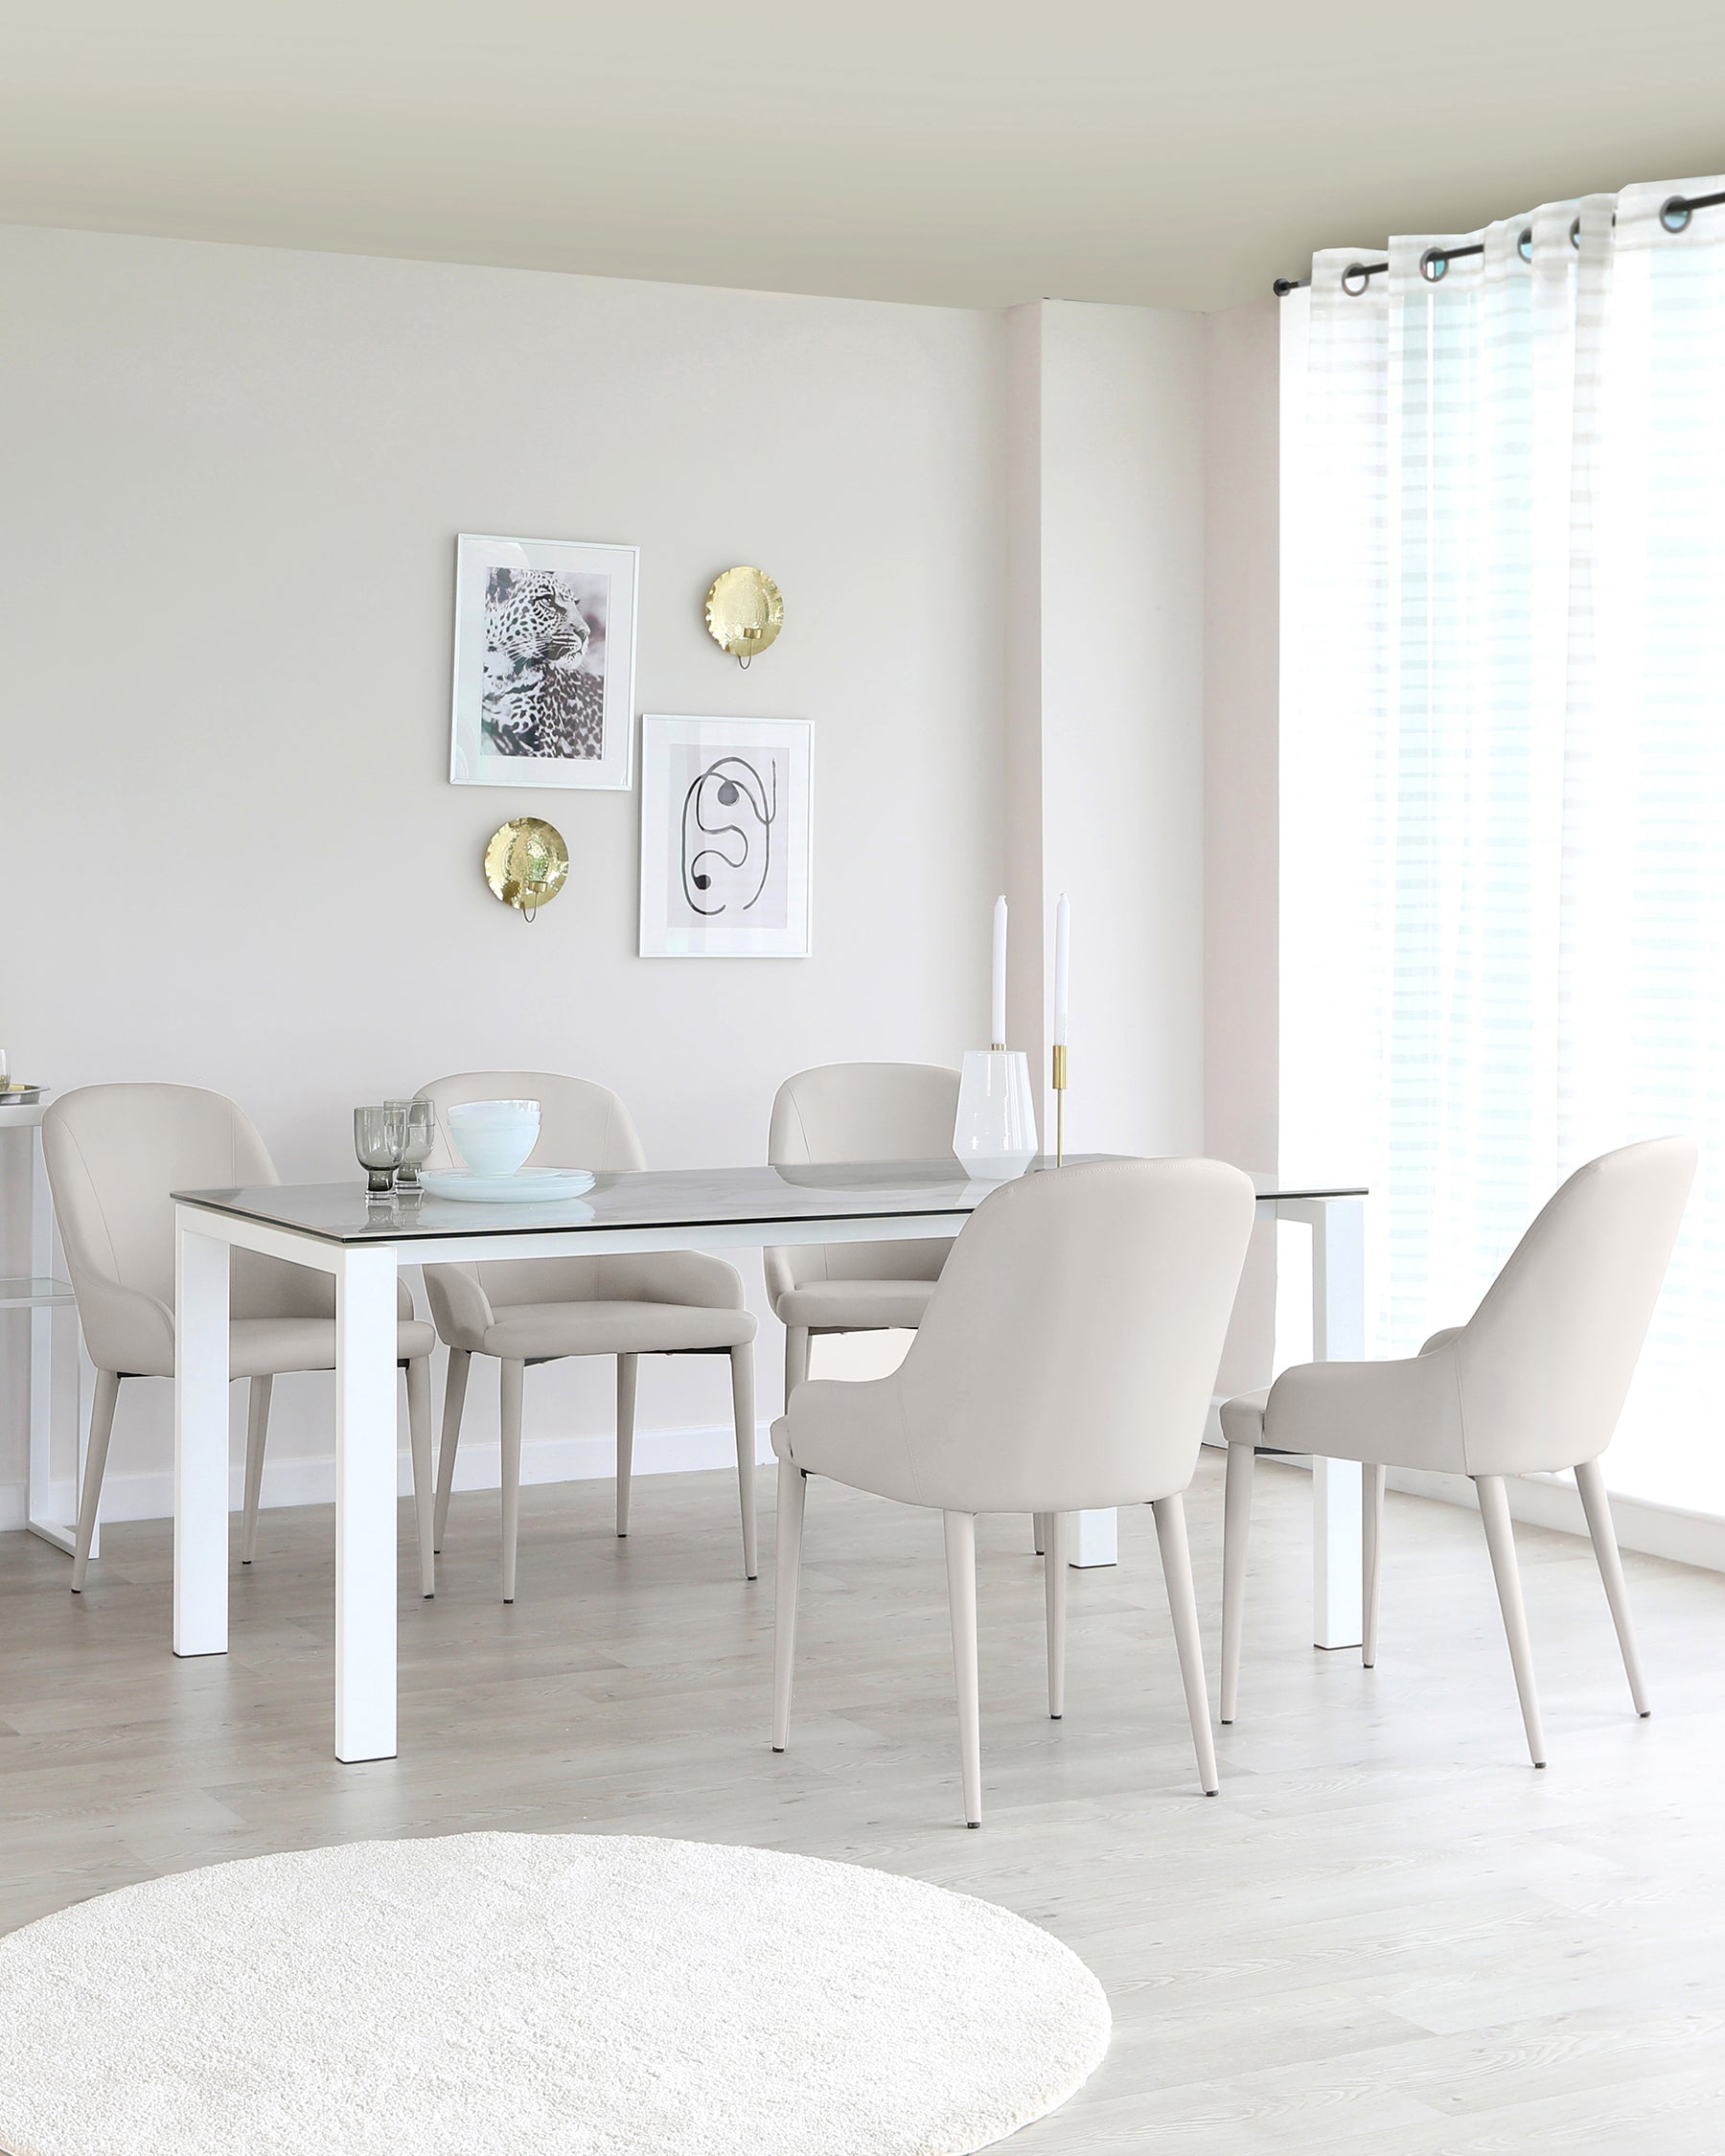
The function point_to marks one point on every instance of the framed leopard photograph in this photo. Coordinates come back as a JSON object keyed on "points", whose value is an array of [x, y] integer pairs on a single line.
{"points": [[544, 663]]}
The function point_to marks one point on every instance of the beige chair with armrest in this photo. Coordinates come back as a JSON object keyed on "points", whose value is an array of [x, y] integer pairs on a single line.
{"points": [[540, 1310], [114, 1154], [857, 1112], [1064, 1364], [1535, 1380]]}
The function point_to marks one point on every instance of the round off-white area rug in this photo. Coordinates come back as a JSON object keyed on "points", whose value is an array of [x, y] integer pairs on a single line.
{"points": [[536, 1995]]}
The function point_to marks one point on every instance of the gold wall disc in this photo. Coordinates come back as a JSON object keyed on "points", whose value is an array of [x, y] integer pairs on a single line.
{"points": [[526, 862], [745, 611]]}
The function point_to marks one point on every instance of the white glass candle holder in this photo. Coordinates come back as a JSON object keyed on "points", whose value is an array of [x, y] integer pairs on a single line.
{"points": [[995, 1135]]}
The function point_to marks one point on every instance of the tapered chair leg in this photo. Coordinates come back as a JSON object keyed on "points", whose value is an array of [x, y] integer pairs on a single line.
{"points": [[1372, 1544], [257, 1433], [1236, 1533], [1054, 1595], [796, 1358], [418, 1373], [1182, 1608], [628, 1371], [962, 1596], [1590, 1481], [1500, 1540], [793, 1491], [1039, 1533], [743, 1415], [511, 1372], [101, 1428], [454, 1399]]}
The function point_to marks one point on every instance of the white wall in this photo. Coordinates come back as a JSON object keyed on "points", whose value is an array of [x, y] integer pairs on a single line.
{"points": [[1242, 627], [1106, 798], [234, 480], [232, 857], [1142, 553]]}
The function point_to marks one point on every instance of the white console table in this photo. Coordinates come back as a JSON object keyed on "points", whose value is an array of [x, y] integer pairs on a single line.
{"points": [[49, 1302]]}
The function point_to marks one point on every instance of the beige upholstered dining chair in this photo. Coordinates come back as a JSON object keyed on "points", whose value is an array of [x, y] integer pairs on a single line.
{"points": [[114, 1154], [1064, 1364], [855, 1111], [1535, 1380], [540, 1310]]}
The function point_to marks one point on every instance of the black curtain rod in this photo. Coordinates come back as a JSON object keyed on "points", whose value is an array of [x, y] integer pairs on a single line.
{"points": [[1675, 214]]}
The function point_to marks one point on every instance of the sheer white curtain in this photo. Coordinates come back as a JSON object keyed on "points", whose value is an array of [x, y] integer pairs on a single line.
{"points": [[1503, 762]]}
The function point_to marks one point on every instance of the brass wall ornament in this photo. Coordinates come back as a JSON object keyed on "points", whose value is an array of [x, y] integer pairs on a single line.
{"points": [[745, 612], [525, 864]]}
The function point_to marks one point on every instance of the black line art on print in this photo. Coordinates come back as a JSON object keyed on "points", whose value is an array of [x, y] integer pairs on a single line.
{"points": [[730, 787]]}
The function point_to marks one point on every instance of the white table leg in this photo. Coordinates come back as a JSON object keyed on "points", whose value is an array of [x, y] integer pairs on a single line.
{"points": [[200, 1443], [365, 1504], [1338, 1619], [80, 1433], [45, 1321], [40, 1469], [41, 1337], [1094, 1539], [1338, 1335], [40, 1490]]}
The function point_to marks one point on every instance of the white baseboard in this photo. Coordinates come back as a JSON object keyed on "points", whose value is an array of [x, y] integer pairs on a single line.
{"points": [[311, 1478], [1552, 1501], [1542, 1501]]}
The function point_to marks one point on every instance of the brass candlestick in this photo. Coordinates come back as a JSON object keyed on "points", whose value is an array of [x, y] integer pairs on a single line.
{"points": [[1060, 1093]]}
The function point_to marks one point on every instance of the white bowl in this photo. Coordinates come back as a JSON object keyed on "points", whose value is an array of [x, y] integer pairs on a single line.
{"points": [[493, 1137]]}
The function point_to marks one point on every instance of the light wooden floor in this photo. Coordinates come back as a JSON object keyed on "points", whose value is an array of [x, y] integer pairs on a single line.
{"points": [[1387, 1935]]}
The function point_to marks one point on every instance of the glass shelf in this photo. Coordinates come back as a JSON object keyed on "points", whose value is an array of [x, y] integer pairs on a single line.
{"points": [[33, 1293]]}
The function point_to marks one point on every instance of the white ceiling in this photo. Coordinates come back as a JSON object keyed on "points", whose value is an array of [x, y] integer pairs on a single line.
{"points": [[916, 150]]}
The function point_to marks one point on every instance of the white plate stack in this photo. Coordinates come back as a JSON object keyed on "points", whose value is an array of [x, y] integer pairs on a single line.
{"points": [[527, 1186], [494, 1138]]}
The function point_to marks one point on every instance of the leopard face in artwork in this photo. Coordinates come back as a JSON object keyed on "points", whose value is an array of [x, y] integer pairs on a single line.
{"points": [[539, 697]]}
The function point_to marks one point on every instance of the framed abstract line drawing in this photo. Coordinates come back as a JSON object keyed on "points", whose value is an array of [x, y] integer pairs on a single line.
{"points": [[726, 808], [544, 663]]}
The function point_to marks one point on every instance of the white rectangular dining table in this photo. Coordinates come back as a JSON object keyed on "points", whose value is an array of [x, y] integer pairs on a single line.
{"points": [[361, 1241]]}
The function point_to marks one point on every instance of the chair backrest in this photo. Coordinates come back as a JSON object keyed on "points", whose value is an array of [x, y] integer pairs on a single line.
{"points": [[861, 1112], [1546, 1361], [581, 1125], [114, 1154], [1070, 1353]]}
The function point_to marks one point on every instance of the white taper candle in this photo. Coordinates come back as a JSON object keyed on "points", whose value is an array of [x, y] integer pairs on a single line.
{"points": [[997, 1008], [1063, 942]]}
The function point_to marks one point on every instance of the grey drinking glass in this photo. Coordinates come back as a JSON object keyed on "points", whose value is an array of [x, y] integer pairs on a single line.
{"points": [[379, 1140], [421, 1129]]}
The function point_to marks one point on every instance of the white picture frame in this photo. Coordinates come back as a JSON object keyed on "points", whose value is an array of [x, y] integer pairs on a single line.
{"points": [[544, 663], [731, 801]]}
